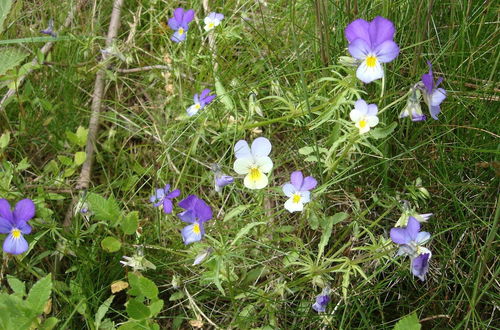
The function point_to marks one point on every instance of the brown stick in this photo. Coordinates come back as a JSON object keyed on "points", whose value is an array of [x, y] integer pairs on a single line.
{"points": [[84, 179], [44, 50]]}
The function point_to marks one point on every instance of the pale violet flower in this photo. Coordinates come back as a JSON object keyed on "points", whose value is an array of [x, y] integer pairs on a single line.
{"points": [[298, 191], [212, 20], [364, 116], [221, 179], [322, 300], [433, 96], [202, 256], [253, 162], [200, 101]]}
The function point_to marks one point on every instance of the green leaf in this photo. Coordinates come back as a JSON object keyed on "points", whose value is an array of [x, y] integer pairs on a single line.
{"points": [[11, 57], [130, 223], [103, 309], [39, 294], [49, 324], [142, 286], [111, 244], [327, 230], [17, 286], [137, 310], [235, 212], [5, 138], [223, 95], [382, 132], [176, 296], [80, 157], [409, 322], [81, 134], [155, 307], [243, 231], [104, 209], [4, 11]]}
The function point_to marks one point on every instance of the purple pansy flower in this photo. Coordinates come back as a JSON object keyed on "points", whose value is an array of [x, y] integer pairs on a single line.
{"points": [[197, 212], [322, 300], [298, 191], [180, 23], [163, 197], [433, 96], [220, 178], [15, 223], [200, 101], [420, 265], [372, 44]]}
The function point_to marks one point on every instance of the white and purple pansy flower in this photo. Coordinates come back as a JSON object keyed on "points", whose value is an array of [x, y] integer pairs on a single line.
{"points": [[163, 197], [298, 191], [220, 178], [197, 212], [322, 300], [413, 108], [364, 115], [212, 20], [253, 162], [15, 224], [180, 23], [200, 101], [433, 96], [372, 44]]}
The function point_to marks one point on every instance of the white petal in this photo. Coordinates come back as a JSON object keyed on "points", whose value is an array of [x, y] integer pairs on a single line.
{"points": [[261, 147], [293, 207], [260, 183], [192, 110], [438, 96], [265, 164], [207, 20], [372, 121], [361, 106], [306, 197], [243, 165], [423, 237], [242, 150], [356, 115], [288, 189], [364, 129], [368, 74]]}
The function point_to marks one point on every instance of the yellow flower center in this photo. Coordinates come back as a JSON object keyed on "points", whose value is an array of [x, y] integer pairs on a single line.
{"points": [[210, 25], [16, 233], [181, 31], [362, 123], [197, 106], [255, 174], [296, 198], [196, 228], [371, 61]]}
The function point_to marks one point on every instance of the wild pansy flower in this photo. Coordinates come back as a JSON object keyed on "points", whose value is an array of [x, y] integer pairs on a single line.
{"points": [[180, 23], [413, 108], [15, 224], [163, 197], [298, 191], [372, 44], [200, 101], [364, 116], [410, 240], [50, 29], [212, 20], [254, 162], [197, 212], [202, 256], [220, 178], [322, 300], [433, 96]]}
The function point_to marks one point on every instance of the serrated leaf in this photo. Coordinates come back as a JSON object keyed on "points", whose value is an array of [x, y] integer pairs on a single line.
{"points": [[148, 287], [137, 310], [39, 294], [102, 310], [104, 209], [4, 11], [17, 286], [409, 322], [80, 157], [155, 307], [235, 212], [327, 230], [243, 231], [111, 244], [382, 132]]}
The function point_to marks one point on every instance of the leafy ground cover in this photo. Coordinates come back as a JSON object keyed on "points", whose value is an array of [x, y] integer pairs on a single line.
{"points": [[279, 70]]}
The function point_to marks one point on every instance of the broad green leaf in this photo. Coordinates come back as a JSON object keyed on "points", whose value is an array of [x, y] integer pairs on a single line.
{"points": [[130, 223], [80, 157], [39, 294], [327, 230], [155, 307], [243, 231], [223, 95], [49, 324], [382, 132], [104, 209], [102, 310], [409, 322], [5, 138], [111, 244], [10, 58], [4, 11], [17, 286], [81, 134], [137, 310], [148, 287], [235, 212]]}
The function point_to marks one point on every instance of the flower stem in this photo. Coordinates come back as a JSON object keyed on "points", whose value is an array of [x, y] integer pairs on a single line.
{"points": [[351, 142]]}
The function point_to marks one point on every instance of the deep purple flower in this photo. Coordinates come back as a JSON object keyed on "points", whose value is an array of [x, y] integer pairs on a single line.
{"points": [[15, 223], [420, 265], [163, 197], [180, 23], [220, 178], [372, 43], [322, 300], [433, 96], [200, 101], [197, 212], [298, 191]]}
